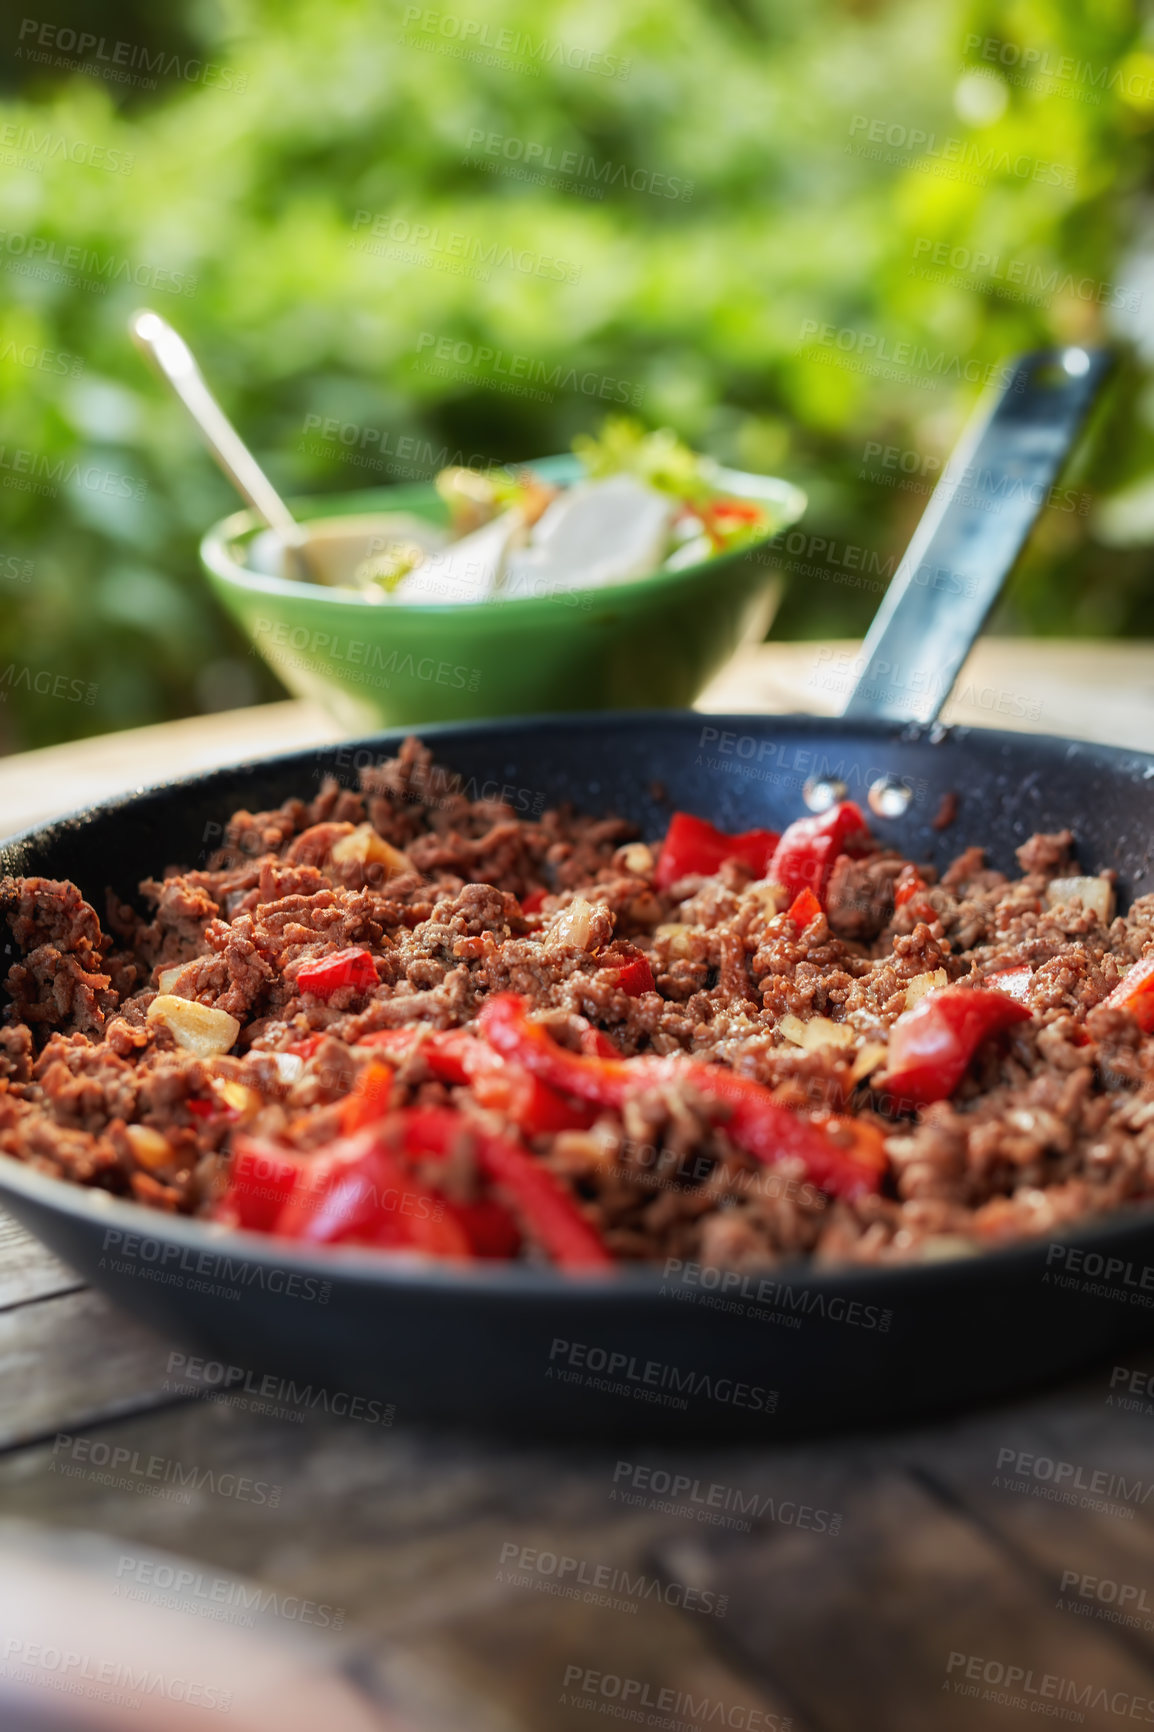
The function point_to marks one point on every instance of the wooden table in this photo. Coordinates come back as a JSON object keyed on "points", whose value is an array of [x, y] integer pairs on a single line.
{"points": [[940, 1578]]}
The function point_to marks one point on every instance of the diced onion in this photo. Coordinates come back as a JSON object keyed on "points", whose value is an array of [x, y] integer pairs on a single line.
{"points": [[575, 924], [923, 983], [817, 1032], [637, 859], [289, 1066], [677, 938], [1095, 894], [237, 1095], [166, 977], [772, 897], [149, 1148], [364, 846], [199, 1029], [869, 1059]]}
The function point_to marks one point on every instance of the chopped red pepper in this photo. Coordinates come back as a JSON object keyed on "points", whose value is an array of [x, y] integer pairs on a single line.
{"points": [[804, 908], [806, 853], [488, 1226], [911, 891], [908, 886], [1135, 993], [456, 1056], [931, 1046], [356, 1190], [693, 846], [534, 902], [369, 1100], [1014, 982], [756, 1122], [397, 1042], [306, 1047], [634, 972], [543, 1203], [261, 1178], [351, 967], [203, 1109], [595, 1043]]}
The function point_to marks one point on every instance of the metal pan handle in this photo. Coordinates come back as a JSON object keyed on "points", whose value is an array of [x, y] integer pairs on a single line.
{"points": [[972, 531]]}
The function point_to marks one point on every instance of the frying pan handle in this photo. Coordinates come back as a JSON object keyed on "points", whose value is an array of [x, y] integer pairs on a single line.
{"points": [[971, 533]]}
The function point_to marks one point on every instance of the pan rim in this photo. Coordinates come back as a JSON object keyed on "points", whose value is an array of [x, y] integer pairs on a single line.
{"points": [[90, 1206], [556, 722]]}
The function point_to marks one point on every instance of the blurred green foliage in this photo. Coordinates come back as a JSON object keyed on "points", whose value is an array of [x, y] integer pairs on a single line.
{"points": [[824, 161]]}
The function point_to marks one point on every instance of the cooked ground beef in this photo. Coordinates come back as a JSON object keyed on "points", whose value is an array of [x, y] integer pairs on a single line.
{"points": [[1053, 1121]]}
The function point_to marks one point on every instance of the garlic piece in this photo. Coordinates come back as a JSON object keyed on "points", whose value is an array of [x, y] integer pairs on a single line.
{"points": [[364, 846], [1095, 894], [166, 977], [923, 983], [196, 1027]]}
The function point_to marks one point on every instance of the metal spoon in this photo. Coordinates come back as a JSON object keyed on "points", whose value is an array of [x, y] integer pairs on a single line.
{"points": [[172, 358]]}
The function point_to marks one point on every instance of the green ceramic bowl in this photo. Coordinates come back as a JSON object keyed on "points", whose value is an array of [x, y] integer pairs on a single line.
{"points": [[653, 642]]}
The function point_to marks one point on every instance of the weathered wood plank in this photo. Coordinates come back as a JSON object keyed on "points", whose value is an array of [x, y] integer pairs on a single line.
{"points": [[72, 1359], [1066, 1488], [407, 1535], [886, 1626], [28, 1270], [436, 1542]]}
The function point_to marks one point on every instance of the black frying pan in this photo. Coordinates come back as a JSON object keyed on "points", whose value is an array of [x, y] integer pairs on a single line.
{"points": [[639, 1352]]}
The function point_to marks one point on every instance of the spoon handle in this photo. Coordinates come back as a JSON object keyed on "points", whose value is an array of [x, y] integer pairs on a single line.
{"points": [[168, 352]]}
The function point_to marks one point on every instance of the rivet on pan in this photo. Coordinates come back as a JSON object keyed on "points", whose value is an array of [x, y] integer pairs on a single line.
{"points": [[888, 797], [822, 792]]}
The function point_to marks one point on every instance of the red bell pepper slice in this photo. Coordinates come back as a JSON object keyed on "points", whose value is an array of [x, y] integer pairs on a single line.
{"points": [[306, 1047], [353, 966], [693, 846], [261, 1178], [756, 1122], [369, 1100], [595, 1043], [1135, 993], [356, 1190], [1014, 982], [930, 1046], [398, 1043], [804, 908], [544, 1205], [910, 891], [807, 851], [456, 1056], [489, 1227], [634, 971]]}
